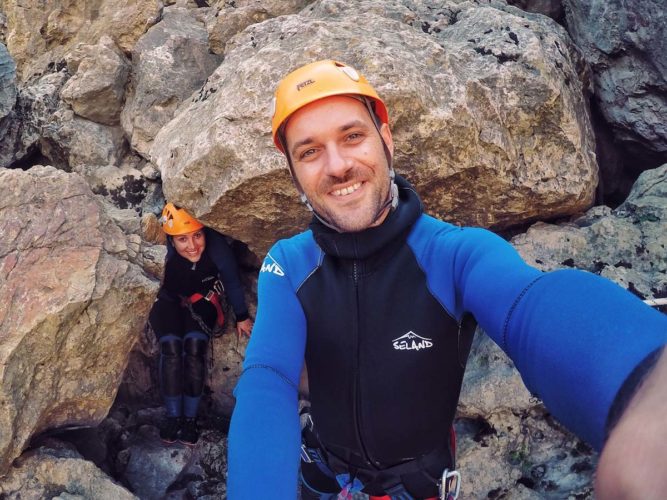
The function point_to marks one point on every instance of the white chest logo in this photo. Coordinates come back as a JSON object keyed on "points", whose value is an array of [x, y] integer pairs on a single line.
{"points": [[411, 342], [271, 266]]}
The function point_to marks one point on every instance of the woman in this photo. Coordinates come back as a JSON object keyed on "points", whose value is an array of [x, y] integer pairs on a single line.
{"points": [[199, 266]]}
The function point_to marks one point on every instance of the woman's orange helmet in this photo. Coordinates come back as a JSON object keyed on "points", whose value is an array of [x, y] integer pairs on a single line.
{"points": [[177, 221], [316, 81]]}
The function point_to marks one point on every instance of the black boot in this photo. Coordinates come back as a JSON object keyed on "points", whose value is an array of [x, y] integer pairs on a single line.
{"points": [[189, 432], [170, 431]]}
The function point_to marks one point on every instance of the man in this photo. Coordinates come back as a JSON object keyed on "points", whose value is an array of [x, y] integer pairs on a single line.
{"points": [[381, 300]]}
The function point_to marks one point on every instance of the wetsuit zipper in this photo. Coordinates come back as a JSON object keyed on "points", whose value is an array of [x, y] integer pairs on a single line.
{"points": [[357, 373]]}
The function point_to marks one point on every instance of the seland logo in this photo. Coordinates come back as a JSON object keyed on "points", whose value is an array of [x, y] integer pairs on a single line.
{"points": [[270, 265], [411, 342]]}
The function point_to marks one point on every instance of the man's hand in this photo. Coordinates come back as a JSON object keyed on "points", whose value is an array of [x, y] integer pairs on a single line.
{"points": [[633, 463], [244, 328]]}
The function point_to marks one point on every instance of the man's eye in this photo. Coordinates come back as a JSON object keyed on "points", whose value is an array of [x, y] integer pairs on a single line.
{"points": [[307, 153], [353, 136]]}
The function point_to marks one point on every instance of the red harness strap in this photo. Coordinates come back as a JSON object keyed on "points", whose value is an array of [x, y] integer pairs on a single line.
{"points": [[214, 299]]}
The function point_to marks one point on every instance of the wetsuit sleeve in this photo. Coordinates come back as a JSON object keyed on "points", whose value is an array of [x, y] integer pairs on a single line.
{"points": [[264, 435], [574, 337], [223, 258]]}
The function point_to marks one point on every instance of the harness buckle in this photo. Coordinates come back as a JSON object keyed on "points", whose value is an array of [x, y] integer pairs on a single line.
{"points": [[305, 456], [209, 295], [450, 485]]}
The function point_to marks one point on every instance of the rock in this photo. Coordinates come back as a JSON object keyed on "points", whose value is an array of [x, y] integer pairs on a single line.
{"points": [[626, 245], [232, 18], [39, 35], [48, 130], [74, 301], [97, 89], [170, 62], [626, 45], [486, 107], [153, 466], [7, 82], [44, 471]]}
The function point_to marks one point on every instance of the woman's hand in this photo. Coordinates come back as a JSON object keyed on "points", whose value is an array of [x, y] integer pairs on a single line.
{"points": [[244, 328]]}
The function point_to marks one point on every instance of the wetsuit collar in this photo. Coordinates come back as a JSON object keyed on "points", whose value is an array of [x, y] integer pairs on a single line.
{"points": [[363, 244]]}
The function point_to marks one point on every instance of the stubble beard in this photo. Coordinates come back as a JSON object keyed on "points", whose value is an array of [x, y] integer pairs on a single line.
{"points": [[349, 220]]}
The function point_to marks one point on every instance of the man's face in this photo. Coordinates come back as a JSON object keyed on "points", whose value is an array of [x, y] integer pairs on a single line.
{"points": [[339, 160]]}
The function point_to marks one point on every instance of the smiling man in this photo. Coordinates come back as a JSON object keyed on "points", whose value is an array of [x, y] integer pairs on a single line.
{"points": [[381, 301]]}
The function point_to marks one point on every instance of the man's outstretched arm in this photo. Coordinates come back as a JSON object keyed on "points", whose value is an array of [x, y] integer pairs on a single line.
{"points": [[264, 435]]}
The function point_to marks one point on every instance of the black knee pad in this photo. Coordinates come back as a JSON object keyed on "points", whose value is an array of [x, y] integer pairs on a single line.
{"points": [[171, 366], [194, 363], [171, 346]]}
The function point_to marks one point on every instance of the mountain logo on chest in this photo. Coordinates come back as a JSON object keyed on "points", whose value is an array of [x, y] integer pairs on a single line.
{"points": [[411, 342]]}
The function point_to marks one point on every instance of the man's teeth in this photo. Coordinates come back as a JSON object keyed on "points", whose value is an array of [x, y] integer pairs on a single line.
{"points": [[347, 190]]}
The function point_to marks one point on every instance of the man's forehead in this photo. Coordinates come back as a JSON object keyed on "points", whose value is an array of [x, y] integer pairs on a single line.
{"points": [[325, 111]]}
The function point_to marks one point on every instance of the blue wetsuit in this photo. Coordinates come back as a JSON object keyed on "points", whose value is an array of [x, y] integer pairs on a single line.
{"points": [[574, 337]]}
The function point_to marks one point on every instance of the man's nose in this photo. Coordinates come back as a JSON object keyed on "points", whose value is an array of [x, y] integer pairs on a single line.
{"points": [[337, 162]]}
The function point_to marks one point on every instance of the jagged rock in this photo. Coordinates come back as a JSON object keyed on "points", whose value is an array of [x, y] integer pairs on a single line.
{"points": [[59, 473], [486, 107], [170, 62], [39, 34], [49, 129], [97, 89], [626, 45], [626, 245], [74, 300], [228, 19]]}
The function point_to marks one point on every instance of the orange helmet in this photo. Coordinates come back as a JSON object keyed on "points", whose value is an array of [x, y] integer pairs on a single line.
{"points": [[177, 221], [316, 81]]}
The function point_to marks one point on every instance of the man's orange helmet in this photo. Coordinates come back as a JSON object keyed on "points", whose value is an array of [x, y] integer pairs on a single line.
{"points": [[177, 221], [316, 81]]}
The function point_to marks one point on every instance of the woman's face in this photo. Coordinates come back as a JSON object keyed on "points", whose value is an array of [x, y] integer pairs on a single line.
{"points": [[191, 245]]}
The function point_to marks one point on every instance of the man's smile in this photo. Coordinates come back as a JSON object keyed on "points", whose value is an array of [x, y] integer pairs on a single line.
{"points": [[346, 190]]}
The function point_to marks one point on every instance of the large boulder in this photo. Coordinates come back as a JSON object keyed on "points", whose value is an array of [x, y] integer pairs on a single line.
{"points": [[97, 89], [40, 33], [486, 105], [626, 45], [75, 298], [170, 62]]}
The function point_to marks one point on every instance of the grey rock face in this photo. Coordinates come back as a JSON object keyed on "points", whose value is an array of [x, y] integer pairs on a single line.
{"points": [[74, 300], [170, 62], [552, 8], [485, 105], [626, 45], [627, 245], [97, 89], [7, 82]]}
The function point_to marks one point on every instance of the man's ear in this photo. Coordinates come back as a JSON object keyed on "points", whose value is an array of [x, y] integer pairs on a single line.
{"points": [[385, 133]]}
